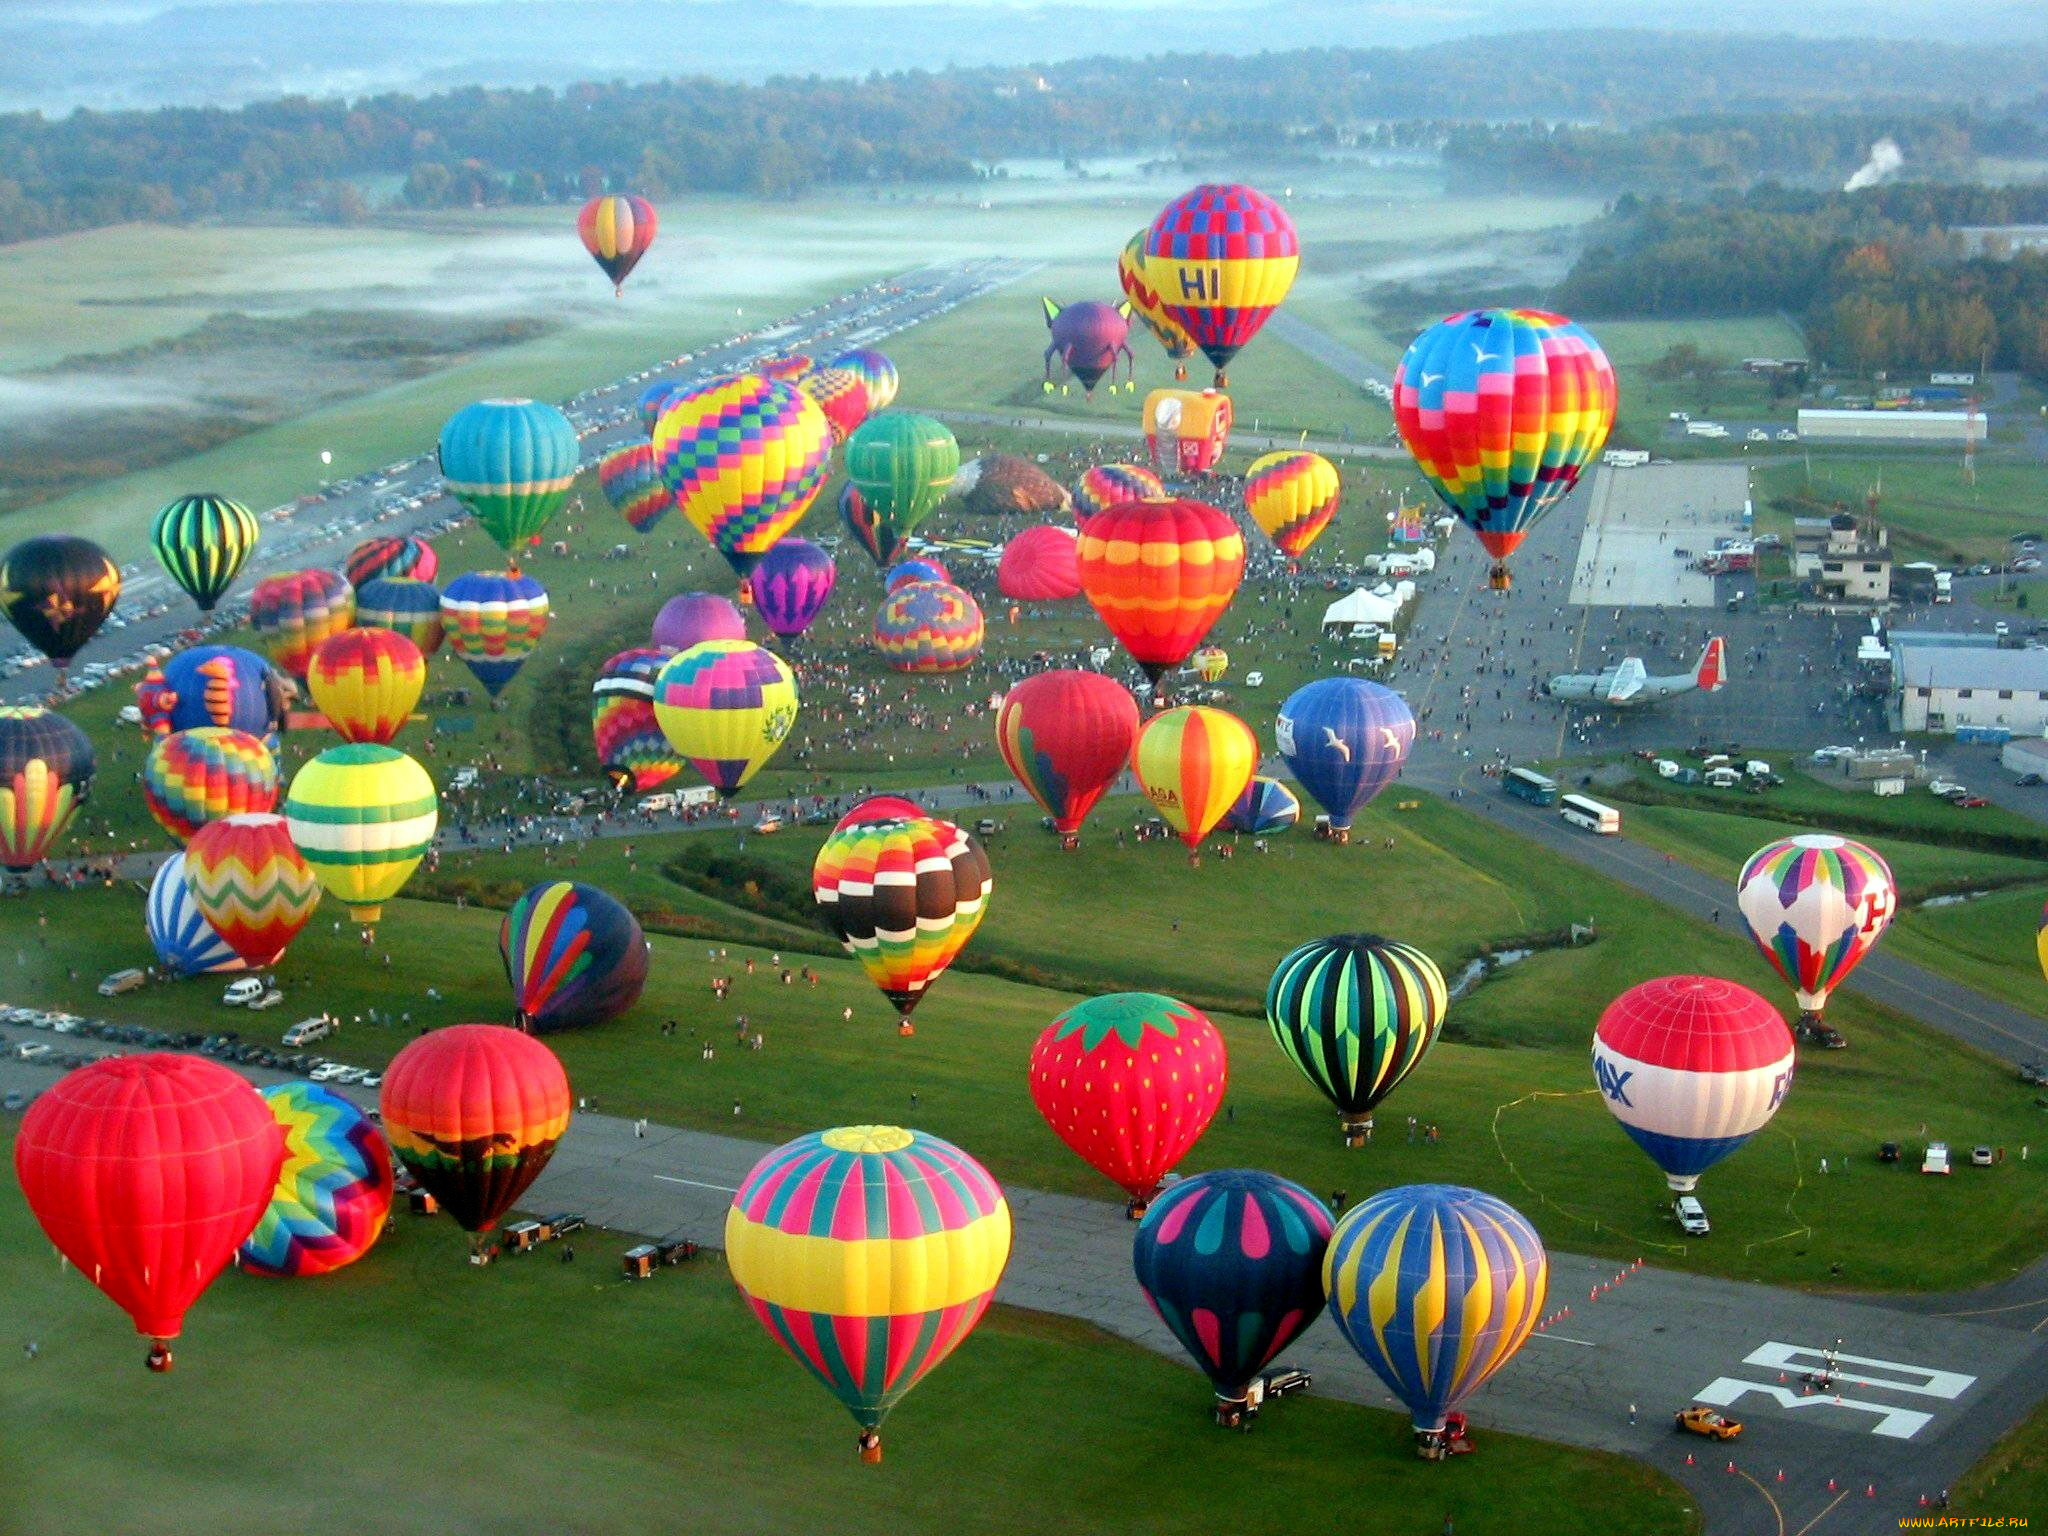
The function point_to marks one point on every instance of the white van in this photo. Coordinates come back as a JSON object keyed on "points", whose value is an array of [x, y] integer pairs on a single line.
{"points": [[1666, 768], [657, 805], [1723, 778], [1692, 1216], [243, 991], [306, 1031]]}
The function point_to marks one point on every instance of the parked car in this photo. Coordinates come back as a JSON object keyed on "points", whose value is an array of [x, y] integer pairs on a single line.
{"points": [[242, 991], [1888, 1152], [1692, 1216], [122, 981], [306, 1031], [1705, 1421], [29, 1050], [1936, 1160], [270, 999], [1980, 1157]]}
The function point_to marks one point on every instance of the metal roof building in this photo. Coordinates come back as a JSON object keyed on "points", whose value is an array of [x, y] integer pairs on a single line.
{"points": [[1939, 427], [1941, 687]]}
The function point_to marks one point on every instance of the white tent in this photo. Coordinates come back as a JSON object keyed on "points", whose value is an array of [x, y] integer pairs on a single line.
{"points": [[1359, 609]]}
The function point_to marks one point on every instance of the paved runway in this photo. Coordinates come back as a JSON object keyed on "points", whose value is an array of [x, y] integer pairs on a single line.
{"points": [[1647, 527]]}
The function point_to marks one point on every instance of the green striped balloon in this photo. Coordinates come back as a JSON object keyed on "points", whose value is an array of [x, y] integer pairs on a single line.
{"points": [[1356, 1013], [203, 541], [363, 816], [902, 465]]}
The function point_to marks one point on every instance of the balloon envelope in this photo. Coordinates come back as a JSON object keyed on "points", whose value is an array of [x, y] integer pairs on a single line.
{"points": [[46, 773], [203, 541], [633, 485], [1266, 806], [904, 572], [903, 897], [929, 626], [617, 232], [295, 612], [1105, 485], [404, 604], [631, 748], [1192, 764], [726, 706], [1345, 739], [876, 372], [221, 685], [1815, 905], [691, 618], [1221, 258], [574, 956], [511, 462], [902, 465], [183, 939], [494, 621], [58, 590], [1160, 574], [1356, 1013], [395, 555], [1088, 338], [364, 816], [791, 585], [333, 1191], [1041, 565], [1066, 736], [192, 777], [1292, 497], [251, 884], [367, 683]]}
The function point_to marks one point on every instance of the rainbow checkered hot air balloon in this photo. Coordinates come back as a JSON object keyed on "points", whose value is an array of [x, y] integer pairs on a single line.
{"points": [[46, 770], [1815, 905], [876, 372], [726, 706], [494, 621], [1292, 497], [1502, 408], [294, 612], [574, 956], [929, 626], [1192, 763], [251, 884], [408, 605], [633, 485], [1356, 1013], [364, 816], [617, 231], [511, 462], [841, 394], [333, 1192], [868, 1253], [631, 748], [199, 775], [1105, 485], [1221, 258]]}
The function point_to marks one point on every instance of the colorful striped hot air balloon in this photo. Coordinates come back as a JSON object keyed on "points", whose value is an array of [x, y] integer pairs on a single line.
{"points": [[251, 884], [1130, 1081], [902, 466], [1815, 905], [1066, 736], [364, 816], [203, 541], [1292, 497], [876, 372], [183, 939], [633, 485], [333, 1192], [1265, 807], [1149, 308], [1192, 764], [406, 605], [1436, 1286], [791, 585], [494, 621], [868, 1253], [192, 777], [1356, 1013], [631, 748], [1160, 574], [1502, 408], [929, 626], [1345, 739], [367, 683], [293, 613], [726, 706], [617, 232], [653, 401], [841, 394], [392, 555], [904, 572], [789, 367], [1041, 565], [1221, 258], [46, 770], [220, 685], [1210, 663], [511, 462], [880, 541], [1105, 485], [574, 956]]}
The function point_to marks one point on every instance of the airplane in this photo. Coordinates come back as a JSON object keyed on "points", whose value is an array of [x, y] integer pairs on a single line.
{"points": [[1628, 683]]}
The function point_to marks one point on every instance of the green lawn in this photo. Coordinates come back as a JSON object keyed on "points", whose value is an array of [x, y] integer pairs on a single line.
{"points": [[1932, 510], [1646, 403], [2012, 1479]]}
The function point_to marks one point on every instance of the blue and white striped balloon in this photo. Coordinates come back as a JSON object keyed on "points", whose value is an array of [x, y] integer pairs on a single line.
{"points": [[179, 931]]}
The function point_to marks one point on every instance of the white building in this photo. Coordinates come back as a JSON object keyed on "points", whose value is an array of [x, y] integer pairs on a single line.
{"points": [[1941, 687], [2025, 754], [1940, 428]]}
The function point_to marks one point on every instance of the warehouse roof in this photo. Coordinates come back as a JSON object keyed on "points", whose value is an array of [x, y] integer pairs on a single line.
{"points": [[1925, 666]]}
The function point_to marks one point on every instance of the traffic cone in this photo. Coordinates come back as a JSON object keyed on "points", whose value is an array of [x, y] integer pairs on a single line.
{"points": [[1870, 1490], [1833, 1487], [1688, 1458], [1923, 1501], [1731, 1469], [1781, 1474], [1781, 1378]]}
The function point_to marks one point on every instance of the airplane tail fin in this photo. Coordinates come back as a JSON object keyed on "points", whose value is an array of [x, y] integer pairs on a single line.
{"points": [[1712, 673]]}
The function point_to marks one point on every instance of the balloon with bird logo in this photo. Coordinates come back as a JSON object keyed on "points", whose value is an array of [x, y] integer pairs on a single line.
{"points": [[1066, 736], [293, 613], [617, 231], [1292, 497], [726, 706], [364, 816], [1192, 763], [199, 775], [1160, 574], [876, 372], [219, 685], [1088, 340], [841, 394], [574, 956], [57, 590], [1041, 565], [1345, 739], [367, 682], [390, 556], [631, 748], [791, 585], [494, 621], [1104, 485], [333, 1191], [1221, 259], [251, 884], [511, 462], [406, 605], [1148, 306], [184, 941], [1814, 906], [1356, 1013], [203, 541], [903, 466], [929, 626], [46, 772], [632, 483]]}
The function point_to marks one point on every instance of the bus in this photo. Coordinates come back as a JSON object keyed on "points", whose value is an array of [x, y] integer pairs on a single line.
{"points": [[1590, 814], [1532, 787]]}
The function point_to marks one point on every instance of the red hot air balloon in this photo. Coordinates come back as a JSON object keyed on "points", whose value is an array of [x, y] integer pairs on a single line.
{"points": [[147, 1172], [1041, 565], [1160, 573], [880, 808], [1066, 736], [617, 232]]}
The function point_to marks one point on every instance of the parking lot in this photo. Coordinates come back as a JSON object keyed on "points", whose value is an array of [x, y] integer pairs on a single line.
{"points": [[1646, 528]]}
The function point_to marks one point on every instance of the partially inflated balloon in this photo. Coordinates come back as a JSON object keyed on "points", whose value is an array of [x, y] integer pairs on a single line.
{"points": [[494, 621], [203, 541], [617, 232], [220, 685], [1041, 565], [876, 372], [46, 769], [633, 485], [333, 1192], [929, 626], [1066, 736], [405, 605], [791, 584], [1292, 497], [903, 897], [511, 462], [1221, 258], [880, 808], [1815, 905], [691, 618], [367, 683], [1356, 1013], [251, 884], [1266, 806], [869, 532], [1149, 308], [574, 956], [57, 590], [842, 395], [726, 706], [364, 816], [1192, 764], [1105, 485], [631, 748], [396, 555], [184, 941], [1160, 574], [902, 465], [1346, 740], [293, 613], [192, 777]]}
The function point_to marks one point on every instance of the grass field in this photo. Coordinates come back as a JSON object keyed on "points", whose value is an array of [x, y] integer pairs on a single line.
{"points": [[2012, 1479], [537, 1396], [1646, 403], [1932, 511]]}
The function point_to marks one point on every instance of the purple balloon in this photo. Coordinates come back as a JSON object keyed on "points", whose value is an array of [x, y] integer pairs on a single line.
{"points": [[691, 618], [791, 584], [1088, 339]]}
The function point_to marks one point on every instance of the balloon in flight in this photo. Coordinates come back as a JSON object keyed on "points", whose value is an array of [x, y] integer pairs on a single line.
{"points": [[1103, 486], [364, 816], [1066, 736], [1088, 339], [511, 462], [57, 590], [367, 682], [293, 613], [406, 605], [1193, 763], [1815, 905], [1221, 259], [726, 707], [1160, 574], [791, 585], [395, 555], [632, 483], [903, 897], [220, 685], [1292, 497], [876, 372], [251, 884], [494, 621], [617, 232], [1150, 308], [202, 542], [902, 465], [631, 748]]}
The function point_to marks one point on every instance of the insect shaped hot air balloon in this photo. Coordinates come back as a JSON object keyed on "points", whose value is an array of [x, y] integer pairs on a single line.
{"points": [[192, 777], [1160, 574], [1129, 1081], [876, 372], [475, 1111], [390, 556], [1041, 565], [691, 618], [1147, 306], [183, 939], [1105, 485], [511, 462], [1266, 806], [1066, 736], [1815, 905], [842, 395], [633, 485], [364, 816], [1194, 424], [574, 956], [57, 590], [1356, 1013], [222, 685], [631, 749], [1345, 740], [1232, 1261], [367, 683], [617, 232], [880, 808], [46, 769], [494, 621], [791, 585], [868, 1253], [929, 626], [1692, 1067], [146, 1172], [1436, 1286], [1221, 258], [1088, 340], [744, 457], [1292, 497], [203, 541], [251, 884], [902, 466], [406, 605], [1502, 408], [292, 614], [904, 572], [1192, 763], [653, 401], [904, 897], [333, 1191], [726, 706]]}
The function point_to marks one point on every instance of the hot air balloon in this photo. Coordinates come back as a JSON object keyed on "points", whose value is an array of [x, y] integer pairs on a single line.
{"points": [[653, 401], [221, 685], [1502, 408], [146, 1172], [494, 620], [405, 605], [868, 1253], [880, 808], [904, 572], [1192, 764], [880, 542], [1210, 663], [390, 556], [1232, 1261], [364, 816], [1147, 306], [192, 777], [1129, 1081], [633, 485], [726, 706], [929, 626], [1066, 736], [1265, 807], [691, 618], [1160, 574], [1692, 1067], [294, 612], [474, 1111], [630, 746], [2041, 942], [251, 884], [617, 232], [1195, 425], [876, 372], [46, 769], [1292, 497], [202, 541], [1815, 905], [1105, 485], [842, 395], [511, 462], [1345, 740], [744, 458], [904, 897], [574, 956], [789, 367], [333, 1192], [1088, 340], [183, 939], [1436, 1286], [367, 683], [791, 584], [1221, 258], [57, 590], [1041, 565], [902, 465], [1356, 1013]]}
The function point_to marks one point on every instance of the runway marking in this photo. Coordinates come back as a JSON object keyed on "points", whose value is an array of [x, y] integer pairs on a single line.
{"points": [[1769, 1498], [2017, 1306], [1816, 1520], [723, 1189], [1564, 1339]]}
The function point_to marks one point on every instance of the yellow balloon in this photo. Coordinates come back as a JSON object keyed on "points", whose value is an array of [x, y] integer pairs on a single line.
{"points": [[727, 706], [1193, 763], [1292, 497], [363, 816]]}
